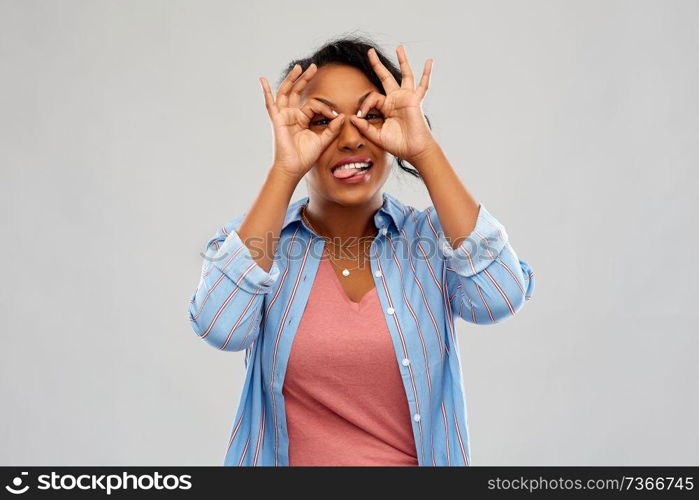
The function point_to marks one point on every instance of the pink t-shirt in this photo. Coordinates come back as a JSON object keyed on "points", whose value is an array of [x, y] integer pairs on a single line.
{"points": [[344, 397]]}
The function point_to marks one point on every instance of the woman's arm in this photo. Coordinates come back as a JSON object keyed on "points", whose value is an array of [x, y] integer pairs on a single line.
{"points": [[486, 280], [261, 227], [457, 209], [225, 310]]}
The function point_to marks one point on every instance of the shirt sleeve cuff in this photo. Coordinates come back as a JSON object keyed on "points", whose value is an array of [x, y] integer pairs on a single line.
{"points": [[479, 249], [234, 259]]}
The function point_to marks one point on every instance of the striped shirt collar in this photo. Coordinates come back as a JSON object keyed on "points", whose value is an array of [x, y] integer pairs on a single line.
{"points": [[392, 209]]}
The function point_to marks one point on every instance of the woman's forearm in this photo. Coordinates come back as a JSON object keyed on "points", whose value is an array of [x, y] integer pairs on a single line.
{"points": [[456, 208], [262, 224]]}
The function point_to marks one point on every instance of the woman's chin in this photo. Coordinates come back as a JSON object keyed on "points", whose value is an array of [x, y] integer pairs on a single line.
{"points": [[358, 194]]}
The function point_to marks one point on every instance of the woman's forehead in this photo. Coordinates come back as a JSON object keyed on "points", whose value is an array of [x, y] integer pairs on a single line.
{"points": [[341, 85]]}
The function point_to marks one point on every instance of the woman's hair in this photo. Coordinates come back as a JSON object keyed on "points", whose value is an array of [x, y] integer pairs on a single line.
{"points": [[351, 50]]}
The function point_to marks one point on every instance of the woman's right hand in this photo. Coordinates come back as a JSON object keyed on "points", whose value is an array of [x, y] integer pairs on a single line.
{"points": [[296, 148]]}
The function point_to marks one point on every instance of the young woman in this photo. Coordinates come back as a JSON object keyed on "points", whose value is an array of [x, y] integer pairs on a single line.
{"points": [[344, 301]]}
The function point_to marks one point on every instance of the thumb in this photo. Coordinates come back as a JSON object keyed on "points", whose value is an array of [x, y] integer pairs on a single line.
{"points": [[333, 129], [367, 130]]}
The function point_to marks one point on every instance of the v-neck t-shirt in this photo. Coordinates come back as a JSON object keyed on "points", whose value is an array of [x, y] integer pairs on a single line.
{"points": [[344, 396]]}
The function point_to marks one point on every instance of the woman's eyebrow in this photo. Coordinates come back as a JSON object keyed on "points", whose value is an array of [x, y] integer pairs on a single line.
{"points": [[332, 105]]}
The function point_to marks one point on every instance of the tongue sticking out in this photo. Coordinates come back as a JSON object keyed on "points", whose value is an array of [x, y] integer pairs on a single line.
{"points": [[344, 173]]}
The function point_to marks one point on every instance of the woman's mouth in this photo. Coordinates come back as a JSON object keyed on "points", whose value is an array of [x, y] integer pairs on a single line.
{"points": [[352, 173]]}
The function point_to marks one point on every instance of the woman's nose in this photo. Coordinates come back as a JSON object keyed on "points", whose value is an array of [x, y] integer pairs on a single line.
{"points": [[350, 136]]}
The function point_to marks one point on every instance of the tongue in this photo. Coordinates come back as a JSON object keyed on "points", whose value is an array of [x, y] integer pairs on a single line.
{"points": [[344, 173]]}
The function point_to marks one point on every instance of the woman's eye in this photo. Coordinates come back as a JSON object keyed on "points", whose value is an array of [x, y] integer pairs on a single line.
{"points": [[318, 122], [324, 121]]}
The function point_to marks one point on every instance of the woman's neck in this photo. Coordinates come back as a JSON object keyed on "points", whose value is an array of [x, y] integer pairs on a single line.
{"points": [[343, 221]]}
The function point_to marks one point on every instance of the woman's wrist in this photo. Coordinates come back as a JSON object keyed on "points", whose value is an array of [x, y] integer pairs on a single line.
{"points": [[284, 175]]}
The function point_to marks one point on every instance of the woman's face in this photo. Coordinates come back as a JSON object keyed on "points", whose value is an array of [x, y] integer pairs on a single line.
{"points": [[341, 87]]}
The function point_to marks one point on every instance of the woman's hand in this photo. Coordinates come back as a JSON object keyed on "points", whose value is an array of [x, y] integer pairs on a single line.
{"points": [[296, 148], [404, 132]]}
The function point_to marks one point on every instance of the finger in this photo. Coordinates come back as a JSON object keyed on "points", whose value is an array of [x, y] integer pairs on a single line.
{"points": [[333, 129], [373, 100], [286, 85], [367, 130], [269, 99], [408, 80], [313, 107], [425, 78], [300, 85], [389, 83]]}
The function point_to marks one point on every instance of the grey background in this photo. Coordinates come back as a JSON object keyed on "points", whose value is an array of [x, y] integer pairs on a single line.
{"points": [[131, 130]]}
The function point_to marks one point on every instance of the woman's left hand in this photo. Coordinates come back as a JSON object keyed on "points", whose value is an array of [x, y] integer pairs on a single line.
{"points": [[404, 132]]}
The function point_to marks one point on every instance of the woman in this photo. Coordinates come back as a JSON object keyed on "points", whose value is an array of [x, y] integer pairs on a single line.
{"points": [[344, 300]]}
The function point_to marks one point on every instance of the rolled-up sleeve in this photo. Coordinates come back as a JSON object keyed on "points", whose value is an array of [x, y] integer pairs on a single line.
{"points": [[487, 282], [226, 307]]}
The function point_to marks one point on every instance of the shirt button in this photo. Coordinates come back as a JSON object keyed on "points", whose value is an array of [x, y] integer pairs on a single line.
{"points": [[406, 362], [378, 274], [416, 417], [384, 231], [390, 310]]}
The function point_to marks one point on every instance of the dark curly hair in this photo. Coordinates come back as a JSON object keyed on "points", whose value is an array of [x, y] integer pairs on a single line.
{"points": [[351, 50]]}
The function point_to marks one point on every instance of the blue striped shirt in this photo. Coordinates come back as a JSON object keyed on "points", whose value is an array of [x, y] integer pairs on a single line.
{"points": [[422, 283]]}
